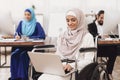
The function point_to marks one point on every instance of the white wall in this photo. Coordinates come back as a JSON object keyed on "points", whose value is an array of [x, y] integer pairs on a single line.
{"points": [[111, 7], [11, 11], [16, 8], [4, 15]]}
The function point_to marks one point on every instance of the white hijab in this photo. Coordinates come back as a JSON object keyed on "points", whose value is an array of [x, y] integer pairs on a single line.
{"points": [[70, 40]]}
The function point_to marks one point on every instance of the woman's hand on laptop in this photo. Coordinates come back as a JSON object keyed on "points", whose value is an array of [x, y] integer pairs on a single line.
{"points": [[67, 67]]}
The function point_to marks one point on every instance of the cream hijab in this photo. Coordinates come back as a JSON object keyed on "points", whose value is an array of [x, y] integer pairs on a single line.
{"points": [[70, 40]]}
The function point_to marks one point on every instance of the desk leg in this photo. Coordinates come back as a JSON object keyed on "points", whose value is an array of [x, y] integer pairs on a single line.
{"points": [[5, 55], [2, 65], [0, 57]]}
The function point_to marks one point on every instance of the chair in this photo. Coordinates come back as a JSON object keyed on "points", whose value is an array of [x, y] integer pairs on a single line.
{"points": [[99, 71]]}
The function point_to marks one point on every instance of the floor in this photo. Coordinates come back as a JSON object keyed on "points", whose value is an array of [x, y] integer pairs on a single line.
{"points": [[5, 72], [116, 72]]}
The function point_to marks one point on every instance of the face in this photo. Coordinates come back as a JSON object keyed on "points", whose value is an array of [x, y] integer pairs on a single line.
{"points": [[72, 22], [27, 16], [100, 19]]}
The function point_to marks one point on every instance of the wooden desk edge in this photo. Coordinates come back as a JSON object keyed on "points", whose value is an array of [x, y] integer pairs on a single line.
{"points": [[108, 42], [20, 43]]}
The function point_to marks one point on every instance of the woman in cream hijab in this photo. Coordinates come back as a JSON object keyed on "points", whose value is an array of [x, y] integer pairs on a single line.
{"points": [[75, 37]]}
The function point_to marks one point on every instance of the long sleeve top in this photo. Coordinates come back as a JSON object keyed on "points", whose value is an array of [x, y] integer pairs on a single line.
{"points": [[83, 59], [38, 33]]}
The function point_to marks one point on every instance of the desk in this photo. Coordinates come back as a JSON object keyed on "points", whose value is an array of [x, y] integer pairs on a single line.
{"points": [[108, 42], [20, 44], [108, 47], [16, 44]]}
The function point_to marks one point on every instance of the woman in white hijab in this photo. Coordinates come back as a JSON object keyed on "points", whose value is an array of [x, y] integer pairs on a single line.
{"points": [[75, 37]]}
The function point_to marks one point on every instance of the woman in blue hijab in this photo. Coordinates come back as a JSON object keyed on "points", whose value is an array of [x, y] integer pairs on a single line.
{"points": [[19, 57]]}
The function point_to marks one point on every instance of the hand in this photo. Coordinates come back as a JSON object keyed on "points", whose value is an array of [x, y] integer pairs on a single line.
{"points": [[67, 67], [105, 36], [17, 37]]}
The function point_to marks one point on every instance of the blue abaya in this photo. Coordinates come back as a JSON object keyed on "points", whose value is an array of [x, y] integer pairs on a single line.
{"points": [[19, 57]]}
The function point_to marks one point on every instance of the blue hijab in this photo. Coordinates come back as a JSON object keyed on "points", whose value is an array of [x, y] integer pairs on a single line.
{"points": [[28, 27]]}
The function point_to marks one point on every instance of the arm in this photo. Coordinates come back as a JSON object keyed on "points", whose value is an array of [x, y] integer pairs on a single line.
{"points": [[39, 32], [18, 30]]}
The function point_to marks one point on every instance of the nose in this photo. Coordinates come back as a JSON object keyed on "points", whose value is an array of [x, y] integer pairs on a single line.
{"points": [[69, 23]]}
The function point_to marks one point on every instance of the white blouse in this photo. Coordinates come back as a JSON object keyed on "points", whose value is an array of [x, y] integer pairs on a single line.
{"points": [[83, 58]]}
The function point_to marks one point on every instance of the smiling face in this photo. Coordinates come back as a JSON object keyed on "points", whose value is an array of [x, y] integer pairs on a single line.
{"points": [[72, 22], [27, 16]]}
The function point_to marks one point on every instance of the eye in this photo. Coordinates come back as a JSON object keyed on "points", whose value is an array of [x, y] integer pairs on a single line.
{"points": [[73, 19], [67, 20], [29, 15]]}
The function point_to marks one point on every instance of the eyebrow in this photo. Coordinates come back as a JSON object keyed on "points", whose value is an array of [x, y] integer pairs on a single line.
{"points": [[70, 18]]}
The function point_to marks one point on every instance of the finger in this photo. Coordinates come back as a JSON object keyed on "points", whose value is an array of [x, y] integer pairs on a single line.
{"points": [[17, 36], [69, 68], [65, 67]]}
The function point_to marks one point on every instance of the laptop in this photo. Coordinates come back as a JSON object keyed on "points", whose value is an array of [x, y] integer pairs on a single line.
{"points": [[48, 63]]}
